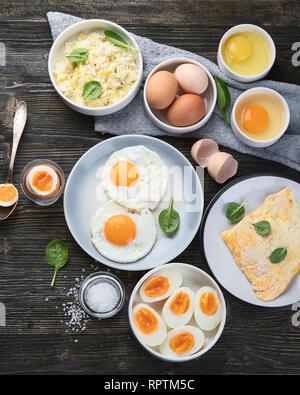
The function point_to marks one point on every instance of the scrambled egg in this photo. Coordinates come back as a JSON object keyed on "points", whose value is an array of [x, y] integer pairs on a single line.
{"points": [[114, 67], [252, 251]]}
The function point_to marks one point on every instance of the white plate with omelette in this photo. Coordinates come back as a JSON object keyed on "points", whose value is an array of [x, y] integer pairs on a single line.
{"points": [[113, 215], [239, 256]]}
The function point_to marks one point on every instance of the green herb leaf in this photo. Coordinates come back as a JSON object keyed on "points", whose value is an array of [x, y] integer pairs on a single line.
{"points": [[78, 55], [91, 90], [224, 98], [169, 219], [235, 211], [262, 227], [57, 255], [278, 255], [116, 39]]}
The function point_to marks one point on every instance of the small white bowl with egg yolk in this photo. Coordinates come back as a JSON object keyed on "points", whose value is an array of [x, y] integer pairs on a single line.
{"points": [[242, 52]]}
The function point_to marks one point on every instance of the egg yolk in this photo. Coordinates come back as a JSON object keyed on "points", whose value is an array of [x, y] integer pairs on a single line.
{"points": [[180, 303], [120, 230], [124, 173], [182, 342], [42, 181], [156, 286], [239, 48], [255, 119], [208, 303], [145, 320], [7, 193]]}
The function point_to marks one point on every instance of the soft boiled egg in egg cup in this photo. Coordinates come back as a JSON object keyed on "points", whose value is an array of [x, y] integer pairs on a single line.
{"points": [[260, 116], [172, 293]]}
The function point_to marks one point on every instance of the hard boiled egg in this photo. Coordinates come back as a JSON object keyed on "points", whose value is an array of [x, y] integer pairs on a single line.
{"points": [[179, 308], [207, 309], [42, 180], [191, 78], [150, 327], [8, 195], [161, 90], [160, 285], [186, 110], [183, 341]]}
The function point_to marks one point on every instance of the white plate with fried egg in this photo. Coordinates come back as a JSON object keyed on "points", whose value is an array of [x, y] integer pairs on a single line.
{"points": [[115, 218]]}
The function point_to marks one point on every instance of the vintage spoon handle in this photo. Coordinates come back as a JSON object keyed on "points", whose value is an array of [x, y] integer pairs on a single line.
{"points": [[19, 124]]}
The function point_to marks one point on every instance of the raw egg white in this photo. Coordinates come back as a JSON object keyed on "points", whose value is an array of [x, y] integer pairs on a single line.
{"points": [[160, 285], [183, 341], [207, 309], [135, 177], [120, 235], [42, 180], [149, 326], [179, 308], [8, 195]]}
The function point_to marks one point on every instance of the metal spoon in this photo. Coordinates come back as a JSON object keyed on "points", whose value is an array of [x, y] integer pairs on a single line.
{"points": [[19, 124]]}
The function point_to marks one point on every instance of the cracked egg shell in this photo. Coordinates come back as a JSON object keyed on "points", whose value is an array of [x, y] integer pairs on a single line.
{"points": [[202, 150], [221, 166]]}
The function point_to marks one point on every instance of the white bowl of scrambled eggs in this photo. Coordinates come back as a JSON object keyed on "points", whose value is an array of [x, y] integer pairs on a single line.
{"points": [[116, 72]]}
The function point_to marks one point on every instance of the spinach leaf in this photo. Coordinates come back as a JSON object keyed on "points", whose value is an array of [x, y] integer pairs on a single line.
{"points": [[262, 227], [78, 55], [223, 97], [278, 255], [235, 211], [57, 255], [169, 219], [116, 39], [91, 90]]}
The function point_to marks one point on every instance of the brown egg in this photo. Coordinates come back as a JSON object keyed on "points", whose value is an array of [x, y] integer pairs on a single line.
{"points": [[221, 166], [186, 110], [161, 90]]}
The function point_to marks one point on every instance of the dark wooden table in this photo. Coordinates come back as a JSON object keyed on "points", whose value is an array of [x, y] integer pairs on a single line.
{"points": [[255, 340]]}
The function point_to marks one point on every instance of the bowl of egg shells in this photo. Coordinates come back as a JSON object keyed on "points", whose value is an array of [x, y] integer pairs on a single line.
{"points": [[180, 95]]}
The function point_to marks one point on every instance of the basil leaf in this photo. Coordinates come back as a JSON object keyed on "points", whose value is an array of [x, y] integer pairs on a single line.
{"points": [[278, 255], [169, 219], [78, 55], [116, 39], [235, 211], [262, 227], [91, 90], [57, 255], [223, 97]]}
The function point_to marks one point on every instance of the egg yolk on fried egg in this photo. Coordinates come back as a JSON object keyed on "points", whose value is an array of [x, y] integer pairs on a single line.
{"points": [[124, 173], [255, 118], [148, 324], [178, 309], [8, 195], [161, 285], [120, 230], [42, 180], [207, 309]]}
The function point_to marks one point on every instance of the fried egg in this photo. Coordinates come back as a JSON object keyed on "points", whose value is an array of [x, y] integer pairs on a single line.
{"points": [[179, 308], [121, 235], [160, 285], [42, 180], [183, 341], [8, 195], [150, 327], [135, 177], [207, 309]]}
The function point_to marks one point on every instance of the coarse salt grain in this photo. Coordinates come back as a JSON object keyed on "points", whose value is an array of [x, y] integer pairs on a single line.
{"points": [[102, 297]]}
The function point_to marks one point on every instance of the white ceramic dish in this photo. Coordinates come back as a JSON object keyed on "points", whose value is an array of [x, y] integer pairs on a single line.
{"points": [[194, 278], [209, 97], [90, 25], [242, 28], [248, 140], [253, 189], [81, 200]]}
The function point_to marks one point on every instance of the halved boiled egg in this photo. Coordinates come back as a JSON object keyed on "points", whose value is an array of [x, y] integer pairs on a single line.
{"points": [[207, 309], [149, 326], [160, 285], [183, 341], [179, 308], [42, 180], [8, 195]]}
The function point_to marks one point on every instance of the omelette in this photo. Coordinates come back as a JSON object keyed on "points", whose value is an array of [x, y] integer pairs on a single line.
{"points": [[252, 251]]}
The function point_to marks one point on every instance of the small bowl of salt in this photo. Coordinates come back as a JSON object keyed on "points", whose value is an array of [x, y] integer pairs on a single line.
{"points": [[102, 295]]}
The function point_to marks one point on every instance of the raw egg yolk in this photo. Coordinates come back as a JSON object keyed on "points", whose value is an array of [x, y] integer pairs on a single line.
{"points": [[42, 181], [120, 230], [208, 303], [145, 320], [180, 303], [255, 119], [124, 173], [182, 342], [7, 193], [156, 286], [239, 48]]}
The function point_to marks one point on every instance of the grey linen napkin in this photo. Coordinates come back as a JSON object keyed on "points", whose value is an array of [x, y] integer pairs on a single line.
{"points": [[133, 119]]}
